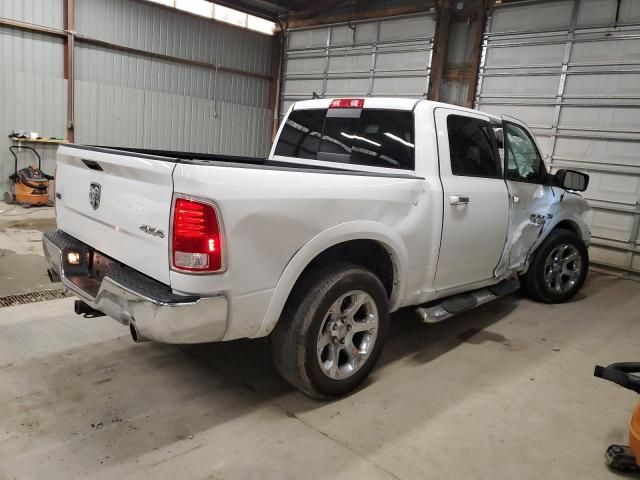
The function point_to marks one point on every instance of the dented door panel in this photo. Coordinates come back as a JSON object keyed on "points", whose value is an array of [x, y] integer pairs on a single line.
{"points": [[533, 208]]}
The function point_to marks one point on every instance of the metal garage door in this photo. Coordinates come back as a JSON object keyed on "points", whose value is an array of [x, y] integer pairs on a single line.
{"points": [[385, 57], [571, 70]]}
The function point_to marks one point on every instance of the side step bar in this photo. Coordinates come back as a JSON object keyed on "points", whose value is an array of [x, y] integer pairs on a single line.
{"points": [[466, 301]]}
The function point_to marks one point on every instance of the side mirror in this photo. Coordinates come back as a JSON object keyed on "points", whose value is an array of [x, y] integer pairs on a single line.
{"points": [[571, 180]]}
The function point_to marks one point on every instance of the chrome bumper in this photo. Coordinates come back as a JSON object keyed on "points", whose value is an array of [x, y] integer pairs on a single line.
{"points": [[134, 299]]}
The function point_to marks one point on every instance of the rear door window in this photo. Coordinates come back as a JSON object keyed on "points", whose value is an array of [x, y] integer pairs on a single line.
{"points": [[472, 147], [371, 137]]}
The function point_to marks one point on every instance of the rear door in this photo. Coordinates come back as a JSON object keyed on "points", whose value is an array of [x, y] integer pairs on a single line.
{"points": [[119, 203], [476, 200]]}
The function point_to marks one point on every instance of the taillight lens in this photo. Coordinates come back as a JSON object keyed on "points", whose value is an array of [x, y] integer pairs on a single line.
{"points": [[197, 241], [347, 103]]}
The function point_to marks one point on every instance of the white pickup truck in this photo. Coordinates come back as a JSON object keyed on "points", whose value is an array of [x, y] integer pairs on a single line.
{"points": [[363, 206]]}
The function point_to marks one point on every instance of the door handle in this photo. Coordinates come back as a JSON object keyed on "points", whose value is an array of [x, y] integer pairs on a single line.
{"points": [[458, 200]]}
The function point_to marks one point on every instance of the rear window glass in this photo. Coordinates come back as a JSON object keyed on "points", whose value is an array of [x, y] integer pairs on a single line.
{"points": [[376, 138]]}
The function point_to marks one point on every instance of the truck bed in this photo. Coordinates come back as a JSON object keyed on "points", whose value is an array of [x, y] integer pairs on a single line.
{"points": [[213, 159]]}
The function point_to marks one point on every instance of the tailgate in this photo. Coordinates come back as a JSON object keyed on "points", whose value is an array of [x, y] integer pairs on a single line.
{"points": [[118, 203]]}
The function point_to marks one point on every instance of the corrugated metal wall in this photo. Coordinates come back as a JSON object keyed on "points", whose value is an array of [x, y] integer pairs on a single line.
{"points": [[32, 86], [573, 74], [129, 99], [385, 57], [39, 12]]}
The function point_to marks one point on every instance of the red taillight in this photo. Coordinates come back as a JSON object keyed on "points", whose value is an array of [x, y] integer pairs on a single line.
{"points": [[347, 103], [197, 242]]}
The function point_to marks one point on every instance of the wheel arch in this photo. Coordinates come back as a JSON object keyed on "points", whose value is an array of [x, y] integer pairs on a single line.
{"points": [[324, 246], [565, 223], [568, 224], [537, 284]]}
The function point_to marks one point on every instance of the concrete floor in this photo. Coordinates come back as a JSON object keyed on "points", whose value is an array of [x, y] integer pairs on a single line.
{"points": [[22, 266], [502, 392]]}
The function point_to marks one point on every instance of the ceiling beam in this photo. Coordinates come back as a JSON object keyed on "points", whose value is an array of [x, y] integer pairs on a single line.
{"points": [[311, 8], [282, 4], [247, 8], [296, 21]]}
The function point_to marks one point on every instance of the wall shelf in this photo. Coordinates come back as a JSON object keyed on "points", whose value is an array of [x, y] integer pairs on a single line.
{"points": [[41, 140]]}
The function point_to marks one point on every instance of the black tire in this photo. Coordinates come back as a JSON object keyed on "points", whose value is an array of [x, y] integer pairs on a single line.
{"points": [[294, 340], [534, 280], [9, 199]]}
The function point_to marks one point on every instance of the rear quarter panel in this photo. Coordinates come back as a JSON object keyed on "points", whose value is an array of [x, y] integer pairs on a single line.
{"points": [[269, 215]]}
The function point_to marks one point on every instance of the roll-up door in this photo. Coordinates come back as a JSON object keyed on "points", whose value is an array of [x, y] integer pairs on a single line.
{"points": [[571, 70], [388, 57]]}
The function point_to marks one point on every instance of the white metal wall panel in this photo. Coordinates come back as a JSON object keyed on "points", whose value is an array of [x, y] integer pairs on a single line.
{"points": [[147, 26], [572, 73], [32, 85], [385, 57], [40, 12], [32, 94], [132, 100]]}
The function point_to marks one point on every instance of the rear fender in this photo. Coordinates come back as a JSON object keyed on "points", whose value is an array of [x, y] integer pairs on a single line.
{"points": [[358, 230]]}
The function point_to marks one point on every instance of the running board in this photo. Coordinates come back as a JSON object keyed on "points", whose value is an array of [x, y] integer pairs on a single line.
{"points": [[466, 301]]}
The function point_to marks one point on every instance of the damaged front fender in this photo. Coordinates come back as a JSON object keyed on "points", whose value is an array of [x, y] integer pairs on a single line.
{"points": [[539, 210]]}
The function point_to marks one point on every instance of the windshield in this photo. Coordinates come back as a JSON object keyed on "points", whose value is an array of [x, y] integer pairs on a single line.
{"points": [[376, 138]]}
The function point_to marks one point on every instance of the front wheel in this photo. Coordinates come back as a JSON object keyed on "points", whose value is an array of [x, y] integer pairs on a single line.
{"points": [[558, 269], [331, 333]]}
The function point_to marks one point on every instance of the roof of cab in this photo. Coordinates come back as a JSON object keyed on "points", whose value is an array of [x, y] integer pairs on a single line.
{"points": [[369, 102], [394, 103]]}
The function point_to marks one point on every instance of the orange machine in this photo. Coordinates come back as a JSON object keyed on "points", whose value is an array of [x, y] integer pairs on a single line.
{"points": [[30, 184], [621, 457]]}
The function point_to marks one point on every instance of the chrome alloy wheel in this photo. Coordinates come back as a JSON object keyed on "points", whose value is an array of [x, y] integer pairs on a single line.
{"points": [[563, 268], [347, 335]]}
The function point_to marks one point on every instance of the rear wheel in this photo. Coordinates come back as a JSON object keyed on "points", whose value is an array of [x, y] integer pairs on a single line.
{"points": [[558, 269], [9, 198], [331, 333]]}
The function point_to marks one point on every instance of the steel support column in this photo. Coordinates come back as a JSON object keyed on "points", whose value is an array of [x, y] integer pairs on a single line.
{"points": [[483, 60], [273, 101], [439, 51], [479, 18], [460, 73], [69, 28]]}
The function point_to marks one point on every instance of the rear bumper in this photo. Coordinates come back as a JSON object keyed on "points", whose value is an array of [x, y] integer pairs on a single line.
{"points": [[133, 298]]}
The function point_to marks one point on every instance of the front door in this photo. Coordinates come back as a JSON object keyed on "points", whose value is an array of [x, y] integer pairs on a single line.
{"points": [[532, 198], [476, 200]]}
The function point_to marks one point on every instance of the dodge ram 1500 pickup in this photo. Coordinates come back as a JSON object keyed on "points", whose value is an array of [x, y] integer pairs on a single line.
{"points": [[362, 207]]}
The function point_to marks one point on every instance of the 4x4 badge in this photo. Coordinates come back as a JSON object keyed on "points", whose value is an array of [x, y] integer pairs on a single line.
{"points": [[156, 232]]}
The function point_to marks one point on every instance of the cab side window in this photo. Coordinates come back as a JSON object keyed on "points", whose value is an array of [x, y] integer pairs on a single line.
{"points": [[472, 147], [523, 162]]}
